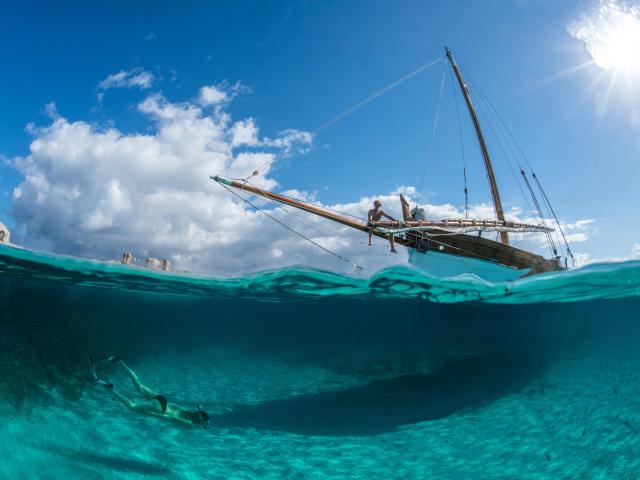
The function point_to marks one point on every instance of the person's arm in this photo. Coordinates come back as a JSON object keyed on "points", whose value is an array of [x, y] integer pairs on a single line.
{"points": [[177, 415], [389, 217], [370, 216]]}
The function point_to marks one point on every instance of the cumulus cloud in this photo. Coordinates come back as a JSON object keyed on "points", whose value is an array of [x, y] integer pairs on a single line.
{"points": [[244, 132], [98, 191], [291, 140], [217, 95], [583, 259], [211, 95], [135, 78]]}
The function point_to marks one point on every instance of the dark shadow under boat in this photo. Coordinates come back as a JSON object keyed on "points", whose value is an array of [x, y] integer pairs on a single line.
{"points": [[381, 406]]}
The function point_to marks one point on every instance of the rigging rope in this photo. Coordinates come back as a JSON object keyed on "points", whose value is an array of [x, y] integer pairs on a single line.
{"points": [[355, 266], [357, 106], [305, 222], [548, 235], [433, 135], [464, 163], [533, 173], [550, 209], [544, 195], [299, 217], [504, 153], [373, 96], [427, 236], [482, 98], [552, 245], [265, 192]]}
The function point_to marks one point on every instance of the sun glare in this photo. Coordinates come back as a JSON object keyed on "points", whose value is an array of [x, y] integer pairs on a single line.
{"points": [[611, 35]]}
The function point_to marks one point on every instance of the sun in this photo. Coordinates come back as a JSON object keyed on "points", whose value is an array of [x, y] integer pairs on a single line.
{"points": [[611, 35]]}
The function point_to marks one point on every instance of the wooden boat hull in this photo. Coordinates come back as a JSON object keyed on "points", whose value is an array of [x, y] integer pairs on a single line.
{"points": [[444, 265], [443, 254]]}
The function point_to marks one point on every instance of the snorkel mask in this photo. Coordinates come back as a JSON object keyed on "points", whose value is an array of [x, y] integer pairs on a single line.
{"points": [[204, 417]]}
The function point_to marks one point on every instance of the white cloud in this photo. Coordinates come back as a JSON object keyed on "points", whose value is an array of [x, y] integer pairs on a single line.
{"points": [[137, 77], [244, 132], [219, 95], [50, 111], [97, 191], [212, 95], [581, 259], [585, 259], [300, 195], [580, 225], [576, 237], [290, 140]]}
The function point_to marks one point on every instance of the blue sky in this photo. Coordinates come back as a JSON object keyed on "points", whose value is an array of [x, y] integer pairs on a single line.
{"points": [[305, 62]]}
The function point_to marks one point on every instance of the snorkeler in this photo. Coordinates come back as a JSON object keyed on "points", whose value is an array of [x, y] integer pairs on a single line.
{"points": [[155, 404]]}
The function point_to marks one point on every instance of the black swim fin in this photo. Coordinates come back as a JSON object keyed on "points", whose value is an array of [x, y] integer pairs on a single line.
{"points": [[92, 370]]}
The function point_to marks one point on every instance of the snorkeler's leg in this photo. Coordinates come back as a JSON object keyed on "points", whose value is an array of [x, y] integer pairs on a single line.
{"points": [[144, 390], [131, 405], [121, 398]]}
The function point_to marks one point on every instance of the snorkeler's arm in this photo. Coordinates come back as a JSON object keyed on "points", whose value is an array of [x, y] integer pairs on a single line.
{"points": [[178, 418]]}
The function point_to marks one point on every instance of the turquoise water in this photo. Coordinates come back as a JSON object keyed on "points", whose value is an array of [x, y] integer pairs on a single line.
{"points": [[309, 374]]}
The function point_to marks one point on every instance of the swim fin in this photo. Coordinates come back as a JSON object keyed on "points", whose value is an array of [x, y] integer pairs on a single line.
{"points": [[92, 370]]}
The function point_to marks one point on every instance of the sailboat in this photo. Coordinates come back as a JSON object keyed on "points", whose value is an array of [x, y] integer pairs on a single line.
{"points": [[447, 247]]}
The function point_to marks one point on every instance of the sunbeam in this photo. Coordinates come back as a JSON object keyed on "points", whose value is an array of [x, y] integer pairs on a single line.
{"points": [[611, 35]]}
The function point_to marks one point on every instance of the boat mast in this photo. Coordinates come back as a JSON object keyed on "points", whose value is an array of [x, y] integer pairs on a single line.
{"points": [[495, 194]]}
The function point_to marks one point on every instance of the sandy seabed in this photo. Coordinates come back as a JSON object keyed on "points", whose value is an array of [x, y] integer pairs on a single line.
{"points": [[579, 419]]}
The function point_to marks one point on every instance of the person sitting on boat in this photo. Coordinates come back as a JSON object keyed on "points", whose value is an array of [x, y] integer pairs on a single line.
{"points": [[375, 215], [154, 404]]}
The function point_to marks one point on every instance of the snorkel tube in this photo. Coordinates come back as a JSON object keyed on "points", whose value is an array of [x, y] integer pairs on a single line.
{"points": [[204, 416]]}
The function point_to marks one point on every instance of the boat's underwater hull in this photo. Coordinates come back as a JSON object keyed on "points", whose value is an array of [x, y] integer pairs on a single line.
{"points": [[443, 265]]}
